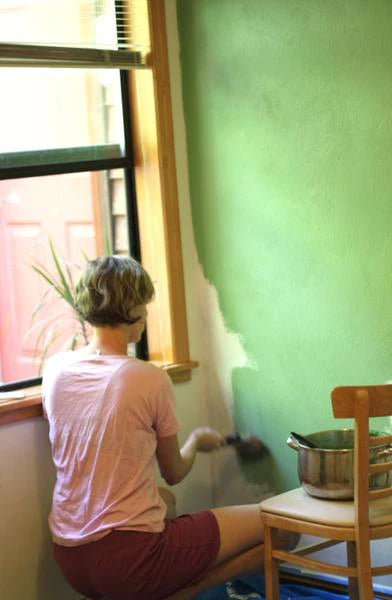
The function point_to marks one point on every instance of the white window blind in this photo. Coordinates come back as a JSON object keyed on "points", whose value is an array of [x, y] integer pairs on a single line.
{"points": [[74, 33]]}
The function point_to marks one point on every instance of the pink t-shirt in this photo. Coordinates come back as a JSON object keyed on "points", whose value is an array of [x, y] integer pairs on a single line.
{"points": [[105, 414]]}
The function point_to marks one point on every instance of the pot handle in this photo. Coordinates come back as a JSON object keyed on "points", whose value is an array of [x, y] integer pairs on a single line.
{"points": [[292, 443]]}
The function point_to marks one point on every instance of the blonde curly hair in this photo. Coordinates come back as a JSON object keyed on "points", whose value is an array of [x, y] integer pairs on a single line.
{"points": [[110, 288]]}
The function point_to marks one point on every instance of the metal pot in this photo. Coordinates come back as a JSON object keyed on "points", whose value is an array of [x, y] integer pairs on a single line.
{"points": [[327, 471]]}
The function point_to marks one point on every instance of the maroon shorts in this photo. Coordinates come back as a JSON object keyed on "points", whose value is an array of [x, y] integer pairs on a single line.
{"points": [[135, 565]]}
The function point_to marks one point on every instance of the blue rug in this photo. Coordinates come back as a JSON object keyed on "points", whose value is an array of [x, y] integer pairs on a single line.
{"points": [[251, 587]]}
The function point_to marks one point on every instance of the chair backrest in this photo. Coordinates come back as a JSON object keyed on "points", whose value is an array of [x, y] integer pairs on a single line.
{"points": [[361, 403], [345, 398]]}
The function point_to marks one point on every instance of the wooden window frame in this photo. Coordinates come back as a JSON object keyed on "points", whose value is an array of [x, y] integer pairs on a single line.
{"points": [[158, 217]]}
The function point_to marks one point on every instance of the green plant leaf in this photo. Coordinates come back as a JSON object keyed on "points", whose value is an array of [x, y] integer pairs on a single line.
{"points": [[86, 258], [54, 326], [41, 304], [47, 278], [106, 243], [70, 278], [74, 342], [67, 295]]}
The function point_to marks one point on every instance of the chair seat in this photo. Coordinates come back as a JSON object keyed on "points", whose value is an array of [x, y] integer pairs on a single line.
{"points": [[300, 505]]}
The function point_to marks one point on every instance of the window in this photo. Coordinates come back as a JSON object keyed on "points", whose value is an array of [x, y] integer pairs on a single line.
{"points": [[66, 169], [99, 169]]}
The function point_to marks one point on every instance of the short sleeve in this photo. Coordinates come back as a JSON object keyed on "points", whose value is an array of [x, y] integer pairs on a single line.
{"points": [[45, 386], [166, 422], [44, 411]]}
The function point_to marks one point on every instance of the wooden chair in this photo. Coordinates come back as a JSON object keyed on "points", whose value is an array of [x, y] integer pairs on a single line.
{"points": [[367, 517]]}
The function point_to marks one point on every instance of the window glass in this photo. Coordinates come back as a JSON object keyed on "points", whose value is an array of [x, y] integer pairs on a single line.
{"points": [[82, 215], [62, 132], [44, 109], [86, 23]]}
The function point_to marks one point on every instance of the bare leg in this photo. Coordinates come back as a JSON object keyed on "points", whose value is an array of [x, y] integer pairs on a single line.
{"points": [[241, 528], [247, 562], [241, 547], [170, 500]]}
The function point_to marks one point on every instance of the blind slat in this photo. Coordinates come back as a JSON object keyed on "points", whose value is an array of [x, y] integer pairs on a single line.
{"points": [[82, 33], [22, 55]]}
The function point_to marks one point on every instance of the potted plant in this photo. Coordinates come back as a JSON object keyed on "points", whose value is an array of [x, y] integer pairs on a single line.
{"points": [[55, 320]]}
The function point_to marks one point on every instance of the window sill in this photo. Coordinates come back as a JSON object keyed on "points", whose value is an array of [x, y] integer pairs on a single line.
{"points": [[30, 405], [178, 372]]}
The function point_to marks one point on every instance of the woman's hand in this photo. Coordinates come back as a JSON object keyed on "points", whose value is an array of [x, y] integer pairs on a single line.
{"points": [[208, 439], [175, 463]]}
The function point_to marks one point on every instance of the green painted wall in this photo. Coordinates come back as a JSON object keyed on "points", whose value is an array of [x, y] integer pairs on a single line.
{"points": [[288, 110]]}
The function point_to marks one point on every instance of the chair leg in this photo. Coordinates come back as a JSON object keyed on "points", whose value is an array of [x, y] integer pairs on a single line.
{"points": [[270, 564], [353, 586], [364, 570]]}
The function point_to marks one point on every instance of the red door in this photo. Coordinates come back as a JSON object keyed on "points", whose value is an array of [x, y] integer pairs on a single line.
{"points": [[63, 207]]}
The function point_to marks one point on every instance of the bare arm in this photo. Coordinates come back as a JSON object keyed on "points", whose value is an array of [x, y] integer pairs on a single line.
{"points": [[175, 463]]}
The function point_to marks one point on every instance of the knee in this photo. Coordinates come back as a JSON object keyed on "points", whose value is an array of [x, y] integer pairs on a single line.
{"points": [[167, 495], [287, 540], [170, 500]]}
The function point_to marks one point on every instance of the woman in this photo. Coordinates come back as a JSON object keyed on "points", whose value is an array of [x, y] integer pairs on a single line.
{"points": [[111, 418]]}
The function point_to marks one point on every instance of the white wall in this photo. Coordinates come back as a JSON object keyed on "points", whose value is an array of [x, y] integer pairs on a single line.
{"points": [[27, 570]]}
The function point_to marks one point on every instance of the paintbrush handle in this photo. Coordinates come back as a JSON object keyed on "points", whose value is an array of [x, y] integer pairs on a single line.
{"points": [[233, 439]]}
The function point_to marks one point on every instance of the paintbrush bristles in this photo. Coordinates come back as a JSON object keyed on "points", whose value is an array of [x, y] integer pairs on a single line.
{"points": [[252, 446], [247, 448]]}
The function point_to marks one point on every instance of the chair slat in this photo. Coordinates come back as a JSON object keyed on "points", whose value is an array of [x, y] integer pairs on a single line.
{"points": [[381, 468], [344, 399], [315, 547], [380, 440], [314, 565], [383, 493], [384, 570]]}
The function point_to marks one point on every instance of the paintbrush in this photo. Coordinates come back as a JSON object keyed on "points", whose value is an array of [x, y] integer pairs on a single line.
{"points": [[250, 447]]}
